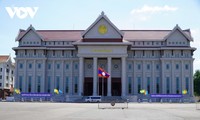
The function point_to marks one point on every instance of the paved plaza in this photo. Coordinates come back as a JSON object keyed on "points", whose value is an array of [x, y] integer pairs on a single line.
{"points": [[90, 111]]}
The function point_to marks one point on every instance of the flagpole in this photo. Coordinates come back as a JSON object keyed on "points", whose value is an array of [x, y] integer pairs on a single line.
{"points": [[98, 86], [103, 86]]}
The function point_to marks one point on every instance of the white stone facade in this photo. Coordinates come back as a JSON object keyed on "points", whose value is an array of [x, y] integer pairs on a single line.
{"points": [[7, 77], [160, 62]]}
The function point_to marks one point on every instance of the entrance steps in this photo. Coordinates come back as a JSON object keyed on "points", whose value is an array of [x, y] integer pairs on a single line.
{"points": [[112, 98], [74, 98], [132, 98]]}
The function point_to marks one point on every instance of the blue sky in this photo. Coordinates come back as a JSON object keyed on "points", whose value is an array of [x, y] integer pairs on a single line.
{"points": [[79, 14]]}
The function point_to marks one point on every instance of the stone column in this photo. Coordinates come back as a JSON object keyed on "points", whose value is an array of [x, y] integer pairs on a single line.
{"points": [[153, 84], [71, 78], [163, 86], [123, 76], [81, 69], [135, 78], [191, 81], [95, 76], [109, 79], [33, 81], [172, 82], [16, 75], [43, 81], [144, 81], [53, 78], [62, 77], [24, 81], [182, 79]]}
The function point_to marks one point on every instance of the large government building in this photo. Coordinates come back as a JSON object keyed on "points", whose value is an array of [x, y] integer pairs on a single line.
{"points": [[158, 61]]}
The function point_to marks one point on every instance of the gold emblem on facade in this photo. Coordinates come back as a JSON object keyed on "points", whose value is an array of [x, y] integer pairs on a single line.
{"points": [[102, 29]]}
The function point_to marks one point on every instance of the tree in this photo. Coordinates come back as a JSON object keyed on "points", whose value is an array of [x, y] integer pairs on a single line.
{"points": [[196, 78]]}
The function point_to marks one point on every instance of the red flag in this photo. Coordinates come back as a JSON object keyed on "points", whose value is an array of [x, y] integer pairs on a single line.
{"points": [[103, 73]]}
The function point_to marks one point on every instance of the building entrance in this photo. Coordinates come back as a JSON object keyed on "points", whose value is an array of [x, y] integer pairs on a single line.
{"points": [[88, 86], [102, 86], [116, 87]]}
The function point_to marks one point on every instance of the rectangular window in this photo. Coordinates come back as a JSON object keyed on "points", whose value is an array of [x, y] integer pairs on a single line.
{"points": [[20, 82], [29, 83], [167, 85], [57, 82], [21, 66], [34, 52], [67, 85], [0, 84], [38, 83], [58, 66], [139, 66], [177, 66], [187, 84], [0, 76], [139, 84], [167, 66], [76, 85], [129, 85], [49, 66], [30, 66], [157, 85], [7, 70], [76, 66], [39, 65], [148, 66], [53, 53], [67, 66], [157, 67], [1, 69], [186, 66], [148, 85], [177, 85], [49, 84], [129, 66]]}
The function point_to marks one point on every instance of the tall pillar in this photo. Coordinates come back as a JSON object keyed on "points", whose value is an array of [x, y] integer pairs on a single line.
{"points": [[71, 78], [163, 91], [153, 84], [144, 81], [173, 79], [81, 69], [62, 77], [123, 76], [182, 79], [109, 79], [135, 78], [33, 81], [43, 85], [94, 76], [191, 80], [24, 81], [16, 80]]}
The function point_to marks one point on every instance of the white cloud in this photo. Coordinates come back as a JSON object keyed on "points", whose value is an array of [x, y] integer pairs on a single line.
{"points": [[153, 9], [144, 13]]}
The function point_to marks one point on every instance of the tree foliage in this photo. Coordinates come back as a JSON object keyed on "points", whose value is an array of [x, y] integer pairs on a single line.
{"points": [[196, 78]]}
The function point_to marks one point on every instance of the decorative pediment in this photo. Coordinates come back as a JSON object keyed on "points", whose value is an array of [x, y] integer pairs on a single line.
{"points": [[30, 37], [102, 28], [30, 31], [178, 37], [178, 33]]}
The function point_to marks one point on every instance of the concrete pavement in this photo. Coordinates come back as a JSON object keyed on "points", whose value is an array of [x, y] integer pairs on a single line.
{"points": [[90, 111]]}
